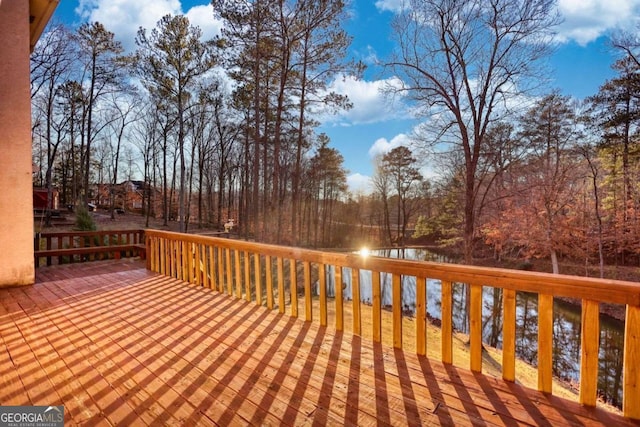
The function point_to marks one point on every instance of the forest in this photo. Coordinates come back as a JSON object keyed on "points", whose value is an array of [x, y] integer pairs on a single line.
{"points": [[227, 129]]}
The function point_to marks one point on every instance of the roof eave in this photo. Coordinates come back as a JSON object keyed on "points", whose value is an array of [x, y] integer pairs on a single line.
{"points": [[40, 12]]}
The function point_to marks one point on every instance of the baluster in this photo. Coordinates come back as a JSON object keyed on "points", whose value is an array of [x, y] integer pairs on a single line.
{"points": [[61, 246], [280, 270], [545, 342], [156, 254], [212, 267], [164, 257], [227, 256], [396, 306], [151, 262], [192, 259], [337, 278], [269, 278], [199, 267], [509, 335], [238, 274], [447, 327], [173, 257], [183, 260], [206, 282], [322, 280], [590, 347], [421, 316], [475, 328], [293, 287], [178, 246], [49, 247], [220, 265], [257, 274], [247, 276], [631, 363], [376, 306], [308, 311], [355, 293]]}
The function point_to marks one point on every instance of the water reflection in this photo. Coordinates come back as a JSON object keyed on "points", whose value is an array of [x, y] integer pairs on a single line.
{"points": [[566, 322]]}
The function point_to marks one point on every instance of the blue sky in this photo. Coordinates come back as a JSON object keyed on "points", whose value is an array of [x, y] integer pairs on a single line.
{"points": [[579, 66]]}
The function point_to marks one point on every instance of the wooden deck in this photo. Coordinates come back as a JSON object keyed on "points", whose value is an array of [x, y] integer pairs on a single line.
{"points": [[119, 345]]}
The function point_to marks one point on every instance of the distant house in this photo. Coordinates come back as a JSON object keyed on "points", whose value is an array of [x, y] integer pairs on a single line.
{"points": [[132, 195], [129, 196], [40, 199]]}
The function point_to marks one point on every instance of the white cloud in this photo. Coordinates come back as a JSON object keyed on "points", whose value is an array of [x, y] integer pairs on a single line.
{"points": [[383, 146], [391, 5], [586, 20], [370, 56], [370, 103], [125, 17], [202, 16], [359, 184]]}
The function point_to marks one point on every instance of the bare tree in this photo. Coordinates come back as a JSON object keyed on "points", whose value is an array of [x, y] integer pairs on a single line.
{"points": [[463, 61], [146, 137], [629, 44], [51, 64], [400, 165], [382, 185], [100, 52], [589, 153], [71, 99], [124, 111]]}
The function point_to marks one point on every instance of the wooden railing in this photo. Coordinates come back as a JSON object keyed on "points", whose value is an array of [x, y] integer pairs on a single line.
{"points": [[79, 246], [246, 270]]}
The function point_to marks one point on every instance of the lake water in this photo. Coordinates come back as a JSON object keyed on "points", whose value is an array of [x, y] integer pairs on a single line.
{"points": [[566, 322]]}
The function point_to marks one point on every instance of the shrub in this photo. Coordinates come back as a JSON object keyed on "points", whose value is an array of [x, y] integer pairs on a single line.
{"points": [[84, 220]]}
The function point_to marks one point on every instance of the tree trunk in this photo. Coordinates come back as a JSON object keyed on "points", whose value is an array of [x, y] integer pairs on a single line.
{"points": [[554, 262]]}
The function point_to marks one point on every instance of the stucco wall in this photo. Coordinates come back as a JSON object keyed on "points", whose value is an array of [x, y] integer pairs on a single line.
{"points": [[16, 204]]}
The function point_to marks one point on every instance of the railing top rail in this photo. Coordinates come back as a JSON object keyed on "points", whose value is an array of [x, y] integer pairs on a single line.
{"points": [[88, 233], [602, 290]]}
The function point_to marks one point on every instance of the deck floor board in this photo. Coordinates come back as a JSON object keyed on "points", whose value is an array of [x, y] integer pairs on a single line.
{"points": [[119, 345]]}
